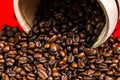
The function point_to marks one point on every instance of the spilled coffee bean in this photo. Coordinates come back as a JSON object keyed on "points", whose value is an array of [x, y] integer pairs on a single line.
{"points": [[58, 47]]}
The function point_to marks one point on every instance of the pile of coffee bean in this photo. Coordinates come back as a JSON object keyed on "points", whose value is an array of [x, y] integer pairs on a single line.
{"points": [[79, 21], [45, 59], [58, 45]]}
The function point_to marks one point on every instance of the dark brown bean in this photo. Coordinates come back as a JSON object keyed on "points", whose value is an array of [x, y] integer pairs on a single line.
{"points": [[70, 58], [53, 47], [1, 44], [6, 49], [22, 60], [30, 76], [53, 38], [28, 67]]}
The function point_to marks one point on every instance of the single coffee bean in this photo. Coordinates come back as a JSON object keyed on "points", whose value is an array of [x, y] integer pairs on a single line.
{"points": [[53, 38], [81, 64], [31, 45], [64, 77], [5, 76], [69, 48], [1, 68], [82, 35], [22, 60], [55, 72], [70, 58], [12, 53], [47, 45], [53, 47], [28, 67], [90, 71], [2, 60], [52, 61], [30, 58], [6, 49], [42, 74], [30, 76], [42, 59], [38, 44], [1, 56], [12, 73], [80, 55], [9, 33], [69, 41], [10, 61], [75, 50], [1, 44], [74, 65], [97, 74], [62, 53]]}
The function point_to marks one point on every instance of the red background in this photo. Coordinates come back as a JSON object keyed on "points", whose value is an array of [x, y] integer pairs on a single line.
{"points": [[7, 16]]}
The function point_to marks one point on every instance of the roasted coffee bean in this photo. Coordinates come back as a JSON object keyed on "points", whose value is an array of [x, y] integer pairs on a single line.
{"points": [[1, 44], [69, 48], [47, 45], [74, 65], [1, 68], [53, 38], [11, 73], [69, 41], [5, 76], [28, 67], [52, 61], [12, 53], [2, 60], [64, 77], [9, 33], [18, 76], [99, 60], [53, 47], [6, 49], [62, 53], [55, 72], [30, 58], [31, 45], [23, 73], [42, 74], [75, 50], [80, 55], [81, 64], [1, 56], [70, 58], [30, 51], [30, 76], [38, 44], [37, 55], [42, 60], [82, 35], [10, 61], [58, 46], [22, 60]]}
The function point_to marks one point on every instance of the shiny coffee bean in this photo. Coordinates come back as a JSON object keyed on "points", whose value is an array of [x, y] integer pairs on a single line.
{"points": [[28, 67], [6, 49], [22, 60], [1, 44], [70, 58], [53, 47]]}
